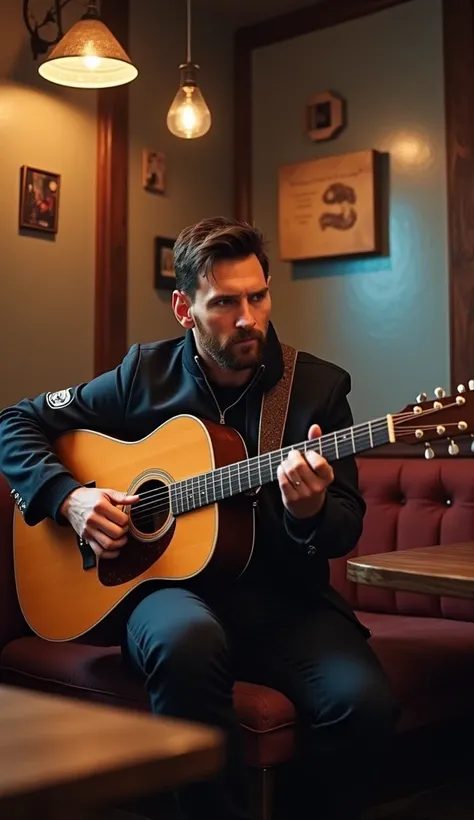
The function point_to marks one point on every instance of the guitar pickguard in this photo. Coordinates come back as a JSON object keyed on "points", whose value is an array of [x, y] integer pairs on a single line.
{"points": [[134, 559]]}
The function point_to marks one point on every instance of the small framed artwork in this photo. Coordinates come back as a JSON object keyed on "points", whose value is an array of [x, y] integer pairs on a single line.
{"points": [[325, 116], [164, 264], [39, 199], [153, 171]]}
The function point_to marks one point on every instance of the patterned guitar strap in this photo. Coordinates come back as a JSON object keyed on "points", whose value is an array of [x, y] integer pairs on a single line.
{"points": [[275, 405]]}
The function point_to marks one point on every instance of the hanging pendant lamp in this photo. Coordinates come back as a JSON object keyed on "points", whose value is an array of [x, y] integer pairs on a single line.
{"points": [[88, 56], [189, 117]]}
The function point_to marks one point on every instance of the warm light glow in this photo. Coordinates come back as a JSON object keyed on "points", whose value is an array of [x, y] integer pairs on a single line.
{"points": [[410, 150], [189, 117], [88, 56], [91, 62]]}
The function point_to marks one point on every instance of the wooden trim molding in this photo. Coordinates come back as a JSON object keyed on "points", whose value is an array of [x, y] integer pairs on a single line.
{"points": [[318, 16], [111, 262], [458, 30]]}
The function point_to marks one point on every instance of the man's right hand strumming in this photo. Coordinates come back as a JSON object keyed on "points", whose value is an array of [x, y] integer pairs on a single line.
{"points": [[94, 515]]}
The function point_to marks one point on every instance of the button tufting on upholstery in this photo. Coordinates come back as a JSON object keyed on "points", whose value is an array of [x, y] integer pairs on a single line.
{"points": [[448, 502]]}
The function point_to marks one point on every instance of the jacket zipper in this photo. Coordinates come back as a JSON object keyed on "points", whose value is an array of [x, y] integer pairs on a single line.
{"points": [[211, 391]]}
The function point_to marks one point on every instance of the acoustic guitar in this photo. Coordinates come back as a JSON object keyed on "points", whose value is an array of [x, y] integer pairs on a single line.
{"points": [[195, 515]]}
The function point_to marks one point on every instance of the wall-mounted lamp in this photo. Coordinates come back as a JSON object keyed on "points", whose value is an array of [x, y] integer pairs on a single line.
{"points": [[189, 117], [87, 56]]}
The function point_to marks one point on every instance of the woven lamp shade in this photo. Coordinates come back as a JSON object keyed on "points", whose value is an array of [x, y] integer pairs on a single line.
{"points": [[88, 56]]}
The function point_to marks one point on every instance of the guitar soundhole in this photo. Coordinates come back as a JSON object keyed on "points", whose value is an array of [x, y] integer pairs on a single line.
{"points": [[151, 532], [150, 514]]}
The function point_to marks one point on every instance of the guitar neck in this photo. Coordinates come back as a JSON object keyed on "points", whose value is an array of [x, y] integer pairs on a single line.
{"points": [[242, 476]]}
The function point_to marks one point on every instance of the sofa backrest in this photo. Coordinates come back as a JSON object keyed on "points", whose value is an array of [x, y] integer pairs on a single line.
{"points": [[12, 624], [411, 502]]}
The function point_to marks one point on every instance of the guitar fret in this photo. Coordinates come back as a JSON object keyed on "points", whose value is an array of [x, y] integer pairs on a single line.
{"points": [[370, 435], [345, 444], [335, 444]]}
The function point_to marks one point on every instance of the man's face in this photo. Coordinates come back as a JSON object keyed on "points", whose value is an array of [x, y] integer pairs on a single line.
{"points": [[231, 311]]}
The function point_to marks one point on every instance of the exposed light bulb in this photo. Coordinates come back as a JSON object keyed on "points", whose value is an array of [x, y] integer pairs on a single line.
{"points": [[91, 62], [189, 117]]}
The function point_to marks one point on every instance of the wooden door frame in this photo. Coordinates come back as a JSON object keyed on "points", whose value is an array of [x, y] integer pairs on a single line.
{"points": [[111, 246], [458, 37], [458, 41]]}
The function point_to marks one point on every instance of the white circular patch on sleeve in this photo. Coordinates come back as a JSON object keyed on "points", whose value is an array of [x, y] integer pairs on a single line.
{"points": [[59, 399]]}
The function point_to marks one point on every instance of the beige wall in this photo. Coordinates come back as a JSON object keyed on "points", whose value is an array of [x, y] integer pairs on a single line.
{"points": [[46, 303], [47, 286], [199, 171]]}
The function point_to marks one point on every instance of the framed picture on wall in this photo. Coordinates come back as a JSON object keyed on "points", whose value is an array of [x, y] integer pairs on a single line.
{"points": [[333, 206], [325, 116], [39, 199], [153, 171], [164, 264]]}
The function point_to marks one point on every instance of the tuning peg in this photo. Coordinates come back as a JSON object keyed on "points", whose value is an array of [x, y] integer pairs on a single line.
{"points": [[453, 448], [472, 443], [440, 392], [421, 397], [471, 384], [429, 453], [461, 388]]}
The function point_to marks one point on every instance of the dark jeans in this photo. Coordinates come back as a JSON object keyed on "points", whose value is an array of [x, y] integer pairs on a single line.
{"points": [[190, 654]]}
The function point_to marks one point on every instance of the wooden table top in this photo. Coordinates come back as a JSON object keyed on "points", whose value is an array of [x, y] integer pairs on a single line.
{"points": [[57, 752], [442, 570]]}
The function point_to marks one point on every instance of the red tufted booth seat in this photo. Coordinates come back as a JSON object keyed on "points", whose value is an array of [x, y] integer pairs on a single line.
{"points": [[425, 643]]}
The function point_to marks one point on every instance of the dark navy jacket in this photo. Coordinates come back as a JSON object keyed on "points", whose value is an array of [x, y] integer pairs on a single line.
{"points": [[157, 381]]}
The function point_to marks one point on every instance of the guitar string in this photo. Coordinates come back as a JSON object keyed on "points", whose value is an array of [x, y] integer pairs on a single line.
{"points": [[328, 439], [397, 418], [253, 473], [253, 470], [235, 469]]}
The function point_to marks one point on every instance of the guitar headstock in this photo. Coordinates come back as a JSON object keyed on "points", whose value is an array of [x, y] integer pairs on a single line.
{"points": [[443, 417]]}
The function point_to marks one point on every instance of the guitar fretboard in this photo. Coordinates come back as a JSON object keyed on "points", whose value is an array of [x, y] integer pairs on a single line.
{"points": [[242, 476]]}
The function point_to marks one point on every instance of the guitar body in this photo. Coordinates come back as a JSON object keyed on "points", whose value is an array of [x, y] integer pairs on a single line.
{"points": [[60, 599]]}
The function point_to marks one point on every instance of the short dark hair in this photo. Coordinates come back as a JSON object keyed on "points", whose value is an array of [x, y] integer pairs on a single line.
{"points": [[198, 247]]}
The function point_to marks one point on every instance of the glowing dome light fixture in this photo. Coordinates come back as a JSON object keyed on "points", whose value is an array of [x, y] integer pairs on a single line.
{"points": [[189, 117], [88, 56]]}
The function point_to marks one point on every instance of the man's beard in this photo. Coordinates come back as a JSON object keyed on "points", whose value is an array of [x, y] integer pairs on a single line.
{"points": [[225, 355]]}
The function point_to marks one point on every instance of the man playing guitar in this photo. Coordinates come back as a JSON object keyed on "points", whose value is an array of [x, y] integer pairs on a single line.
{"points": [[280, 623]]}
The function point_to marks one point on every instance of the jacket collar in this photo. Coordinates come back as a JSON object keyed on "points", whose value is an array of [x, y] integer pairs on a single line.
{"points": [[272, 359]]}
